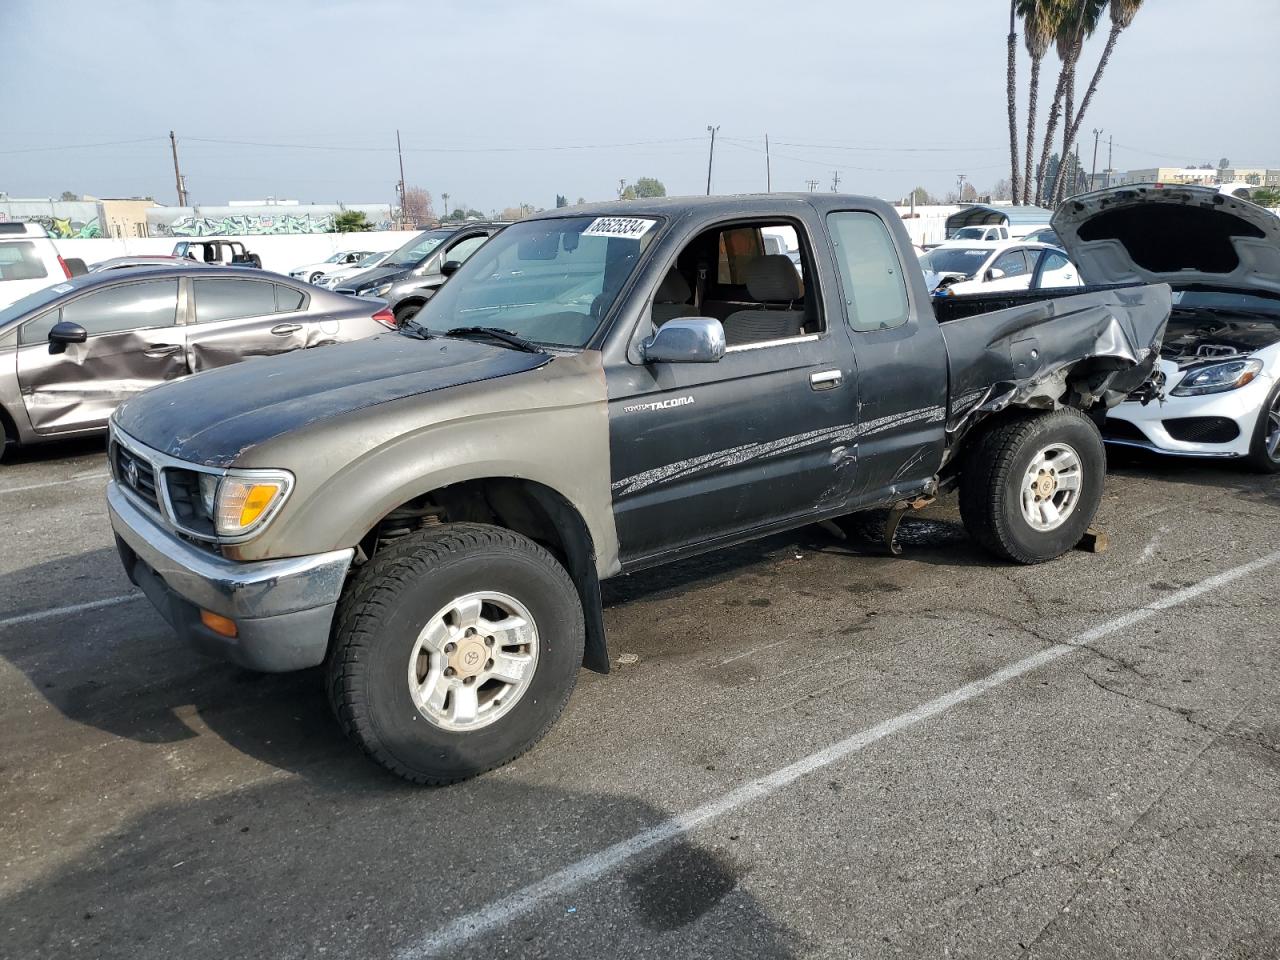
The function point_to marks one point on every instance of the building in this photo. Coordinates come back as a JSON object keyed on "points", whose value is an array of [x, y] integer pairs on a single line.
{"points": [[1254, 176], [1181, 175], [269, 217], [124, 216]]}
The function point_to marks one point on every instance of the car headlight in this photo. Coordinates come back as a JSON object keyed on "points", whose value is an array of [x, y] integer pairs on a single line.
{"points": [[378, 291], [243, 502], [1218, 378]]}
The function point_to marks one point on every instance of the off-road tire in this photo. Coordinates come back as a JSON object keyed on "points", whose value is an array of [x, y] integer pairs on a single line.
{"points": [[1259, 459], [991, 472], [378, 622]]}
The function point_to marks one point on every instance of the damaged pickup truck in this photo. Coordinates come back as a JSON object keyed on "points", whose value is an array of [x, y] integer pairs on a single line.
{"points": [[429, 514]]}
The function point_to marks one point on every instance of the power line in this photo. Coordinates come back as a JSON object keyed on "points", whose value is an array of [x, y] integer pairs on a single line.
{"points": [[502, 149], [84, 146]]}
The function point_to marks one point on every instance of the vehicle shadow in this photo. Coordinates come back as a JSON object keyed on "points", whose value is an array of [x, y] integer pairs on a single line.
{"points": [[1230, 476], [54, 450], [281, 870]]}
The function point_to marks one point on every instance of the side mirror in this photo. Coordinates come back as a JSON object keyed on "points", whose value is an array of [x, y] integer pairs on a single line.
{"points": [[65, 332], [995, 273], [685, 340], [450, 267]]}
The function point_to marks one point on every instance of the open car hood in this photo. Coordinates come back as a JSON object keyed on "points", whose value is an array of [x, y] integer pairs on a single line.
{"points": [[1150, 233]]}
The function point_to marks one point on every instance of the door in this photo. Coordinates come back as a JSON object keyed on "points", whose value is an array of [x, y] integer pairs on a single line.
{"points": [[133, 343], [234, 318], [1055, 270], [701, 452], [1009, 271]]}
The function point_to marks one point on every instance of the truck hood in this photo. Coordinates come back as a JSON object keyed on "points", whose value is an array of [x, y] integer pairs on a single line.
{"points": [[1149, 233], [214, 417]]}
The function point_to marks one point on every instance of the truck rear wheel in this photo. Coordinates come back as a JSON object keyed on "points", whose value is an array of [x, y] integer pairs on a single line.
{"points": [[455, 651], [1030, 487]]}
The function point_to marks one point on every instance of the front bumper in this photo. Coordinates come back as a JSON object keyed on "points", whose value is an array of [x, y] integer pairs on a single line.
{"points": [[1147, 426], [283, 609]]}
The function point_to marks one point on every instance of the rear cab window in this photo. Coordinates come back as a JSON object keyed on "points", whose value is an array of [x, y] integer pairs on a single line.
{"points": [[19, 260]]}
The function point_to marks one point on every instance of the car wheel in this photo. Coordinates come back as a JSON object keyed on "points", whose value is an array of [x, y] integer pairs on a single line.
{"points": [[314, 277], [407, 312], [455, 651], [1264, 450], [7, 436], [1030, 487]]}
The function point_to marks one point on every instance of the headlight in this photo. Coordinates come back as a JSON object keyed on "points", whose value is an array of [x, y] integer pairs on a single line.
{"points": [[1218, 378], [245, 501], [378, 291]]}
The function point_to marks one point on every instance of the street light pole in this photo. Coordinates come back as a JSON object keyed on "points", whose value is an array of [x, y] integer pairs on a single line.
{"points": [[711, 154], [1093, 168]]}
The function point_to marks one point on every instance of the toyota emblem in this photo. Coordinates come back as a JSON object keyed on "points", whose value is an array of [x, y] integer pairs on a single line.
{"points": [[131, 472]]}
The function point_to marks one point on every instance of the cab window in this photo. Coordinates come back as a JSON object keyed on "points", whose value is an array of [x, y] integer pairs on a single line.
{"points": [[875, 289], [1012, 262]]}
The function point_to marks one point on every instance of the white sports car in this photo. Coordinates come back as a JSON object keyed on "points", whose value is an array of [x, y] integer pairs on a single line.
{"points": [[332, 278], [1220, 362], [311, 272]]}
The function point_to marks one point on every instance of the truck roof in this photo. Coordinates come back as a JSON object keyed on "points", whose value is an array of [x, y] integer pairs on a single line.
{"points": [[753, 203]]}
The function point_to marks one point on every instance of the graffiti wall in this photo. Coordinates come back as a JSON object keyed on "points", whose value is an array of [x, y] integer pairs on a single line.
{"points": [[65, 220], [257, 221]]}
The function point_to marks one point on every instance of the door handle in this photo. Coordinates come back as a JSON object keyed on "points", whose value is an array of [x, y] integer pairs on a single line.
{"points": [[826, 380], [284, 329], [162, 349]]}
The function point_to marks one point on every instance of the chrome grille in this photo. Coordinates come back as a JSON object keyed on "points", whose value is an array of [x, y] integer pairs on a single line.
{"points": [[137, 474]]}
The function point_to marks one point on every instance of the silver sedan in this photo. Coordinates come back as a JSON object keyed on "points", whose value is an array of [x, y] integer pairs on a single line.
{"points": [[72, 352]]}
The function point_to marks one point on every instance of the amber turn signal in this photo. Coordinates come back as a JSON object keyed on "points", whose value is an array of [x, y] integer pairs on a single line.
{"points": [[218, 623]]}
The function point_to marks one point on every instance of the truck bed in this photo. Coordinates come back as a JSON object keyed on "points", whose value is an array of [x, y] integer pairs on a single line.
{"points": [[1032, 348]]}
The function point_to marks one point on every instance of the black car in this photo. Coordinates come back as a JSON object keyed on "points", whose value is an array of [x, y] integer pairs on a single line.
{"points": [[425, 255]]}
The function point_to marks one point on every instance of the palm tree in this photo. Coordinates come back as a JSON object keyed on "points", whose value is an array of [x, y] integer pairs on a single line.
{"points": [[1079, 18], [1122, 14], [1011, 89], [1039, 24]]}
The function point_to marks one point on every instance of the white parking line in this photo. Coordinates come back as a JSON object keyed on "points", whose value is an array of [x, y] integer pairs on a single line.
{"points": [[448, 938], [56, 483], [38, 615]]}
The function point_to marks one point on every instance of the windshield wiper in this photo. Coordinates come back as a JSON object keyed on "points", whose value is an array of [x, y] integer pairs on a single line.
{"points": [[411, 328], [495, 333]]}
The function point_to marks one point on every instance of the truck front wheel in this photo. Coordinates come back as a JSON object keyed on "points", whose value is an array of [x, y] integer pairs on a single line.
{"points": [[1030, 487], [456, 648]]}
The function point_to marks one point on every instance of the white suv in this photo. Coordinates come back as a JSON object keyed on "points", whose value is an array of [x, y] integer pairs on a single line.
{"points": [[28, 261]]}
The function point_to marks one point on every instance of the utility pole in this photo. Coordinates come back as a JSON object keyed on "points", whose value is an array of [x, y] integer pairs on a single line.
{"points": [[1093, 168], [768, 167], [812, 184], [401, 156], [446, 207], [835, 181], [711, 154], [1109, 167], [960, 179], [177, 171]]}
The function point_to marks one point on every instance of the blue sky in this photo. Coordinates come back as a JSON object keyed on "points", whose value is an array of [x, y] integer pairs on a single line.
{"points": [[488, 93]]}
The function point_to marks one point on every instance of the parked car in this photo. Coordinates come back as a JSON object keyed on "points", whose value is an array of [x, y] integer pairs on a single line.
{"points": [[71, 352], [312, 272], [333, 278], [596, 391], [996, 267], [424, 255], [1219, 370], [966, 234], [131, 263], [28, 261], [410, 293], [229, 253]]}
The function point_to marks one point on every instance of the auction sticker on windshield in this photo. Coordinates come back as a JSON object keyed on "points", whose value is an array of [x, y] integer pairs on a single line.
{"points": [[632, 228]]}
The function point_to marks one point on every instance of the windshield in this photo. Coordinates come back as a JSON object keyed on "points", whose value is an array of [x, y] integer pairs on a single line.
{"points": [[969, 233], [412, 252], [964, 260], [335, 258], [373, 259], [549, 281], [32, 301]]}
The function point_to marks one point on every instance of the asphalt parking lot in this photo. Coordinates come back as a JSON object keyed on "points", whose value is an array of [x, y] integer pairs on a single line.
{"points": [[814, 750]]}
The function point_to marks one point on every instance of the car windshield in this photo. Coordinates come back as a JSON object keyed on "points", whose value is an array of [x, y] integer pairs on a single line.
{"points": [[964, 260], [373, 259], [335, 258], [32, 301], [412, 252], [969, 233], [548, 281]]}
